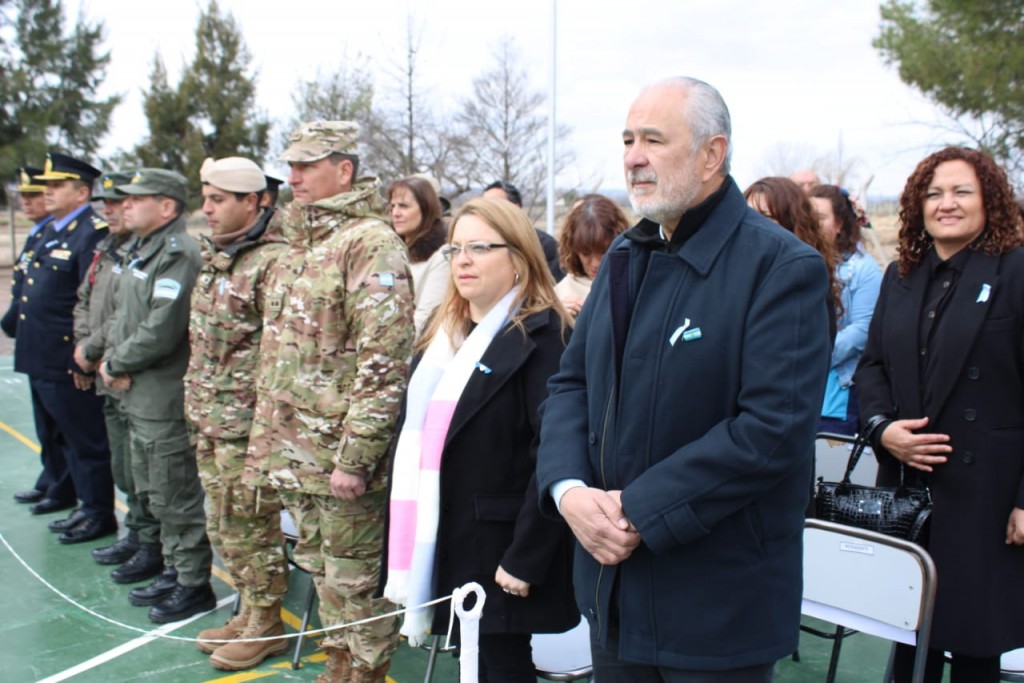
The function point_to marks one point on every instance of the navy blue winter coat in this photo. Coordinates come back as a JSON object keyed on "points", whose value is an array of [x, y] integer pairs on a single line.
{"points": [[707, 428]]}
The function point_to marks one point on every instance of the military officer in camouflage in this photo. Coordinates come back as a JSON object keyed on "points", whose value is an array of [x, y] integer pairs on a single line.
{"points": [[338, 332], [244, 525], [146, 357], [33, 205], [94, 313], [68, 421]]}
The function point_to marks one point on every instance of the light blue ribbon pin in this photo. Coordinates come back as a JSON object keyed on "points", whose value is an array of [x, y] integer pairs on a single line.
{"points": [[986, 289], [483, 368]]}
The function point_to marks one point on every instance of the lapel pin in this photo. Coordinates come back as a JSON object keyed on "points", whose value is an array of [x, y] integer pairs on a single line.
{"points": [[483, 368], [682, 332], [984, 293]]}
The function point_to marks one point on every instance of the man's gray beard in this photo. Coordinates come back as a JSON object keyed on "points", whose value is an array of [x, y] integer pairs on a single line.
{"points": [[661, 210]]}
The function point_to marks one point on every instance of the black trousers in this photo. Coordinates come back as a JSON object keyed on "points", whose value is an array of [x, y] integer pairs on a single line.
{"points": [[962, 669], [73, 434], [608, 668]]}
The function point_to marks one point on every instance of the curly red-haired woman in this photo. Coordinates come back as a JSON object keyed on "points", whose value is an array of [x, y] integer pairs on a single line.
{"points": [[941, 387]]}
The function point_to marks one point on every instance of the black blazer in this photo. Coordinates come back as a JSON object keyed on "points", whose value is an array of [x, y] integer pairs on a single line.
{"points": [[489, 511], [978, 400]]}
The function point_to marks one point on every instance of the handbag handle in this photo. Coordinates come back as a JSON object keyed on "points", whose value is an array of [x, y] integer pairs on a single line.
{"points": [[859, 445]]}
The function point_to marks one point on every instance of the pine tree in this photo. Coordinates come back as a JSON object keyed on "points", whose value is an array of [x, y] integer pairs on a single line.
{"points": [[212, 111], [48, 84]]}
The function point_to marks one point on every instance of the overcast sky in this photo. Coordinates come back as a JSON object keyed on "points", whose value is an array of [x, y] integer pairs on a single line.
{"points": [[800, 76]]}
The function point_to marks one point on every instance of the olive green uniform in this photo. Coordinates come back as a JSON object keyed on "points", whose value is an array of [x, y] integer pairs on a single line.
{"points": [[94, 313], [149, 341]]}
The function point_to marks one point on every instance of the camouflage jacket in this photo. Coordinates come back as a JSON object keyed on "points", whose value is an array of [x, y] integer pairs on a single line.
{"points": [[225, 325], [149, 336], [338, 332]]}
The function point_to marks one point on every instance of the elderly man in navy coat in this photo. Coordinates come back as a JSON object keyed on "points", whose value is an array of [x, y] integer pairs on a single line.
{"points": [[678, 435]]}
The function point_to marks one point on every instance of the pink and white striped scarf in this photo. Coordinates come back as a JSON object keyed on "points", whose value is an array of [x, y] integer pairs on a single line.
{"points": [[434, 391]]}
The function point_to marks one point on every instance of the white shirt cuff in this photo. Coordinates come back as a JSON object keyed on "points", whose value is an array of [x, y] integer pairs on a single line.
{"points": [[559, 488]]}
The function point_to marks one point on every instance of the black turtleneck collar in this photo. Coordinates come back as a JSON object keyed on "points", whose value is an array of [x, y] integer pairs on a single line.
{"points": [[646, 231]]}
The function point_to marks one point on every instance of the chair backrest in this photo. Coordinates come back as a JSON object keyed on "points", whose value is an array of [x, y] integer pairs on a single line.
{"points": [[832, 452], [870, 582], [563, 656]]}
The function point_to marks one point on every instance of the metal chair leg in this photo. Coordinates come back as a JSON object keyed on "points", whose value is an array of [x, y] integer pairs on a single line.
{"points": [[435, 647], [310, 597]]}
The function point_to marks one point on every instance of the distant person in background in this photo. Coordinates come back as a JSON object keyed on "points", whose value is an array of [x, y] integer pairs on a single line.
{"points": [[860, 277], [416, 216], [500, 189], [588, 232], [806, 179], [269, 198], [781, 200]]}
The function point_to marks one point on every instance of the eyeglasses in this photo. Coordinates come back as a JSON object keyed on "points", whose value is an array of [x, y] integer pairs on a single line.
{"points": [[473, 249]]}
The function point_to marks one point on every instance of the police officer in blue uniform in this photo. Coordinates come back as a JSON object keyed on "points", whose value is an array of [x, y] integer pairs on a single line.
{"points": [[68, 419], [54, 482]]}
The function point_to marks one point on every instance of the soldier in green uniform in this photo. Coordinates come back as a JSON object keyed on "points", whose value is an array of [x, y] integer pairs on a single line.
{"points": [[338, 332], [146, 357], [244, 525], [94, 313]]}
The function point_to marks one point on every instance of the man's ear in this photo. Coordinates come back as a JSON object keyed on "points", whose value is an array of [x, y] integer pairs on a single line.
{"points": [[345, 169], [716, 149]]}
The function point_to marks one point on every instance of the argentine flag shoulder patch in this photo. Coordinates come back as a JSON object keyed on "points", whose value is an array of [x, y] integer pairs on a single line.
{"points": [[166, 288]]}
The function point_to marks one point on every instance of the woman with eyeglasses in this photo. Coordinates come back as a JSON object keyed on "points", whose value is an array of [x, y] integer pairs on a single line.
{"points": [[416, 217], [463, 501]]}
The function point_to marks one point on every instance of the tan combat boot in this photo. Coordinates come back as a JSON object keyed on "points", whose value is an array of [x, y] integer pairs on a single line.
{"points": [[229, 631], [264, 622], [361, 674], [339, 666]]}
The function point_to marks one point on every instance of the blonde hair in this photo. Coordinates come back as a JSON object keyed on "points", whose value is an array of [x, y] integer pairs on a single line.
{"points": [[536, 286]]}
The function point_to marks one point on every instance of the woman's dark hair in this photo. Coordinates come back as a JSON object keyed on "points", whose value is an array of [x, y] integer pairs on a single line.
{"points": [[849, 229], [788, 205], [431, 233], [589, 228], [1002, 218]]}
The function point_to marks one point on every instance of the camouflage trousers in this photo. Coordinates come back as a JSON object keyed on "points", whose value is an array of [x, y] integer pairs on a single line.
{"points": [[340, 545], [166, 480], [243, 523], [138, 518]]}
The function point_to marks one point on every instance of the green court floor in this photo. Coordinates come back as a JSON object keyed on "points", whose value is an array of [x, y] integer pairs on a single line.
{"points": [[44, 637]]}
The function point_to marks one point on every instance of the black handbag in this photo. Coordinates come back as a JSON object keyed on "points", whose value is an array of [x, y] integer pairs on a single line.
{"points": [[900, 511]]}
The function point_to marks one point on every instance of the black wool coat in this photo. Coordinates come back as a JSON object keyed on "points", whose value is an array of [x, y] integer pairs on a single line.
{"points": [[489, 514], [978, 400]]}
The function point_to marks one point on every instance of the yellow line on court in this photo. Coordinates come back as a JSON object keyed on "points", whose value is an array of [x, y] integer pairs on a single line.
{"points": [[19, 436]]}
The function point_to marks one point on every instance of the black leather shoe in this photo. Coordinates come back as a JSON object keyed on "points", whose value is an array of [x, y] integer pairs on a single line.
{"points": [[119, 552], [146, 563], [30, 496], [68, 523], [88, 530], [182, 603], [48, 505], [155, 592]]}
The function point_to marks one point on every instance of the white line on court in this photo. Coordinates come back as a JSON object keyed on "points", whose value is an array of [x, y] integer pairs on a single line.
{"points": [[129, 646]]}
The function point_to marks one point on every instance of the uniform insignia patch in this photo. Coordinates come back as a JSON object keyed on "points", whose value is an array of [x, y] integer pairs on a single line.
{"points": [[166, 288], [61, 254]]}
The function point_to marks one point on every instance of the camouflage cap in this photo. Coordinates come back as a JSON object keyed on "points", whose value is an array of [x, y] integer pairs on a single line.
{"points": [[108, 185], [317, 140], [156, 181], [233, 174]]}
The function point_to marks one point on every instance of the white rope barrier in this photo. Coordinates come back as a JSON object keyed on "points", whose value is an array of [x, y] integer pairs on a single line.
{"points": [[149, 632]]}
